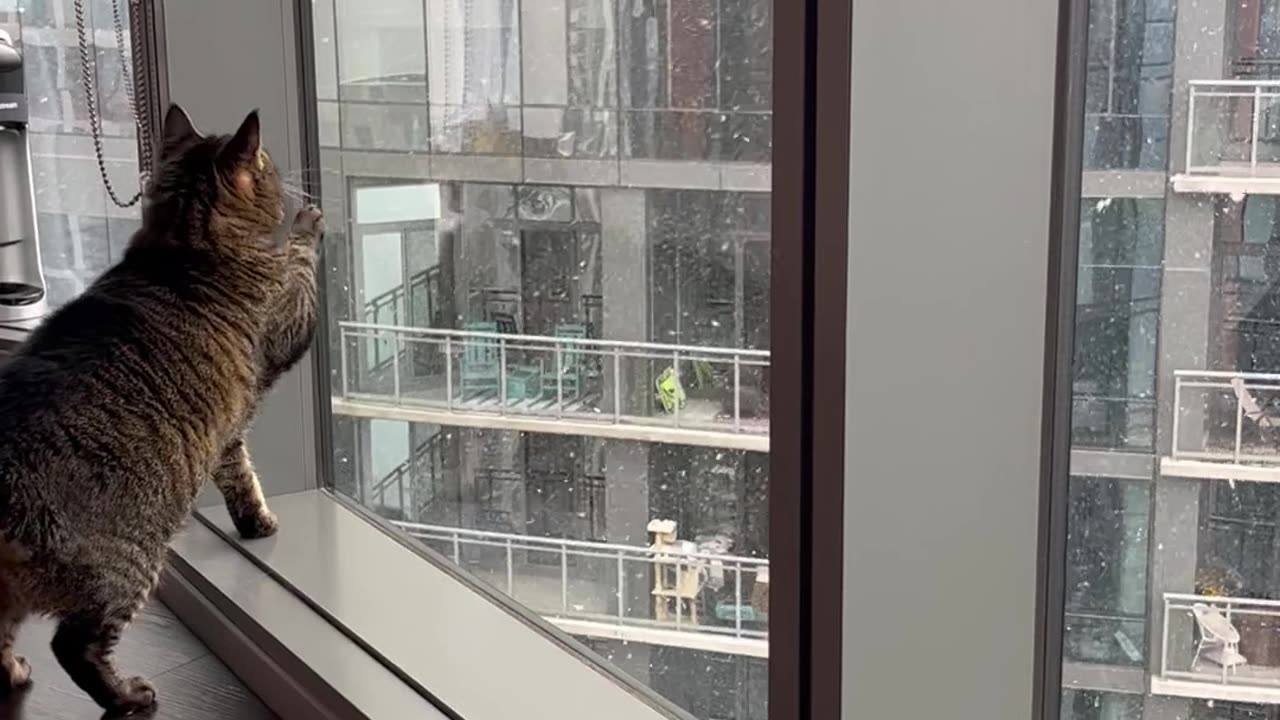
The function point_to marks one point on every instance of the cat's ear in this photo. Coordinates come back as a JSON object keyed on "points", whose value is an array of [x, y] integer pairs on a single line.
{"points": [[242, 149], [178, 128], [236, 158]]}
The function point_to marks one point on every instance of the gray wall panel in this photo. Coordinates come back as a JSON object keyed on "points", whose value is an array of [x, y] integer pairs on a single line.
{"points": [[253, 42], [952, 121]]}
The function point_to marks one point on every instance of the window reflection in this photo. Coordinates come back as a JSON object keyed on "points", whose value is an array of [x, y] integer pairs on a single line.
{"points": [[81, 232]]}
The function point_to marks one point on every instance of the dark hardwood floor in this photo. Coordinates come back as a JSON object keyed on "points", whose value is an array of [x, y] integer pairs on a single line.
{"points": [[192, 684]]}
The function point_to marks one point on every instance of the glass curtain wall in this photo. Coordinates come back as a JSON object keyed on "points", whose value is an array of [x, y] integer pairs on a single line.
{"points": [[1115, 422], [1171, 541]]}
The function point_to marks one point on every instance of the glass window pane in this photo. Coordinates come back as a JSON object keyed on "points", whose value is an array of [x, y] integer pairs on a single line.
{"points": [[1117, 304], [496, 265], [1107, 571], [1130, 79]]}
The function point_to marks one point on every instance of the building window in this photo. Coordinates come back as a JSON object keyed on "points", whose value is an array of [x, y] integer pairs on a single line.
{"points": [[1117, 322], [1107, 571], [1130, 58]]}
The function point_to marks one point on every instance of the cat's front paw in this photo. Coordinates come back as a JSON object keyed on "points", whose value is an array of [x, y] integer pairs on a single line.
{"points": [[137, 698], [257, 525], [18, 671], [309, 221]]}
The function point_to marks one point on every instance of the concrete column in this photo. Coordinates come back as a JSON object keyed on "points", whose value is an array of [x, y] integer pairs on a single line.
{"points": [[626, 492], [626, 501], [624, 257], [625, 316], [1185, 301], [625, 286]]}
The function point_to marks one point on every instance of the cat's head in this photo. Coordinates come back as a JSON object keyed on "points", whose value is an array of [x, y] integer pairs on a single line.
{"points": [[226, 184]]}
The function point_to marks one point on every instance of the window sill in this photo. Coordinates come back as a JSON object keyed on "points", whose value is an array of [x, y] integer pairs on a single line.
{"points": [[294, 659], [356, 624]]}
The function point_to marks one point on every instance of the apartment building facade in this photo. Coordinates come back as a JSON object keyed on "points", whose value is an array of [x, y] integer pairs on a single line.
{"points": [[1174, 469]]}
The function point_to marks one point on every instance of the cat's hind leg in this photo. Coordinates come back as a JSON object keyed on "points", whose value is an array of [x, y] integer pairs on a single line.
{"points": [[236, 479], [95, 598], [83, 645]]}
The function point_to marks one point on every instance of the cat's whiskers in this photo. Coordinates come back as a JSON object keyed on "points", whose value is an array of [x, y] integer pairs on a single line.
{"points": [[295, 192]]}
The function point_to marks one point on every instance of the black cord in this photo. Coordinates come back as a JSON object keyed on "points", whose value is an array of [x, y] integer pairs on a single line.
{"points": [[136, 100]]}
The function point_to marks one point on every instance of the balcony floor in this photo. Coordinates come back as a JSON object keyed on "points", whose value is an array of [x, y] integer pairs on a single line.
{"points": [[1259, 461], [430, 391], [191, 682]]}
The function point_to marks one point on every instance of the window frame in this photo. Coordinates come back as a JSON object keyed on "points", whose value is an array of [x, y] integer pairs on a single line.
{"points": [[1066, 186], [813, 44]]}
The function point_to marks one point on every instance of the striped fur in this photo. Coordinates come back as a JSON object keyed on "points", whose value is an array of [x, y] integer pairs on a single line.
{"points": [[125, 400]]}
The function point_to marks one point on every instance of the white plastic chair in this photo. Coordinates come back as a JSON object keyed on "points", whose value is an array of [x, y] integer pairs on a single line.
{"points": [[1217, 632], [1250, 407]]}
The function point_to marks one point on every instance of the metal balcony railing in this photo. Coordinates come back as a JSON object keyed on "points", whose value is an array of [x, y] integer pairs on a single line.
{"points": [[556, 378], [1226, 417], [1219, 647], [1233, 128], [714, 601]]}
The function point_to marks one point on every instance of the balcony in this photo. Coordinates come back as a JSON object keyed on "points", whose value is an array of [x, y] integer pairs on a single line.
{"points": [[566, 384], [1226, 426], [659, 596], [1233, 138], [1219, 648]]}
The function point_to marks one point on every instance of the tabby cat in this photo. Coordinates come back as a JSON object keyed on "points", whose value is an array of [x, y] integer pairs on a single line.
{"points": [[127, 399]]}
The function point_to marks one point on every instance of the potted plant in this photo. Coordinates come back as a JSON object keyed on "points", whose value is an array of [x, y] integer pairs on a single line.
{"points": [[1216, 581]]}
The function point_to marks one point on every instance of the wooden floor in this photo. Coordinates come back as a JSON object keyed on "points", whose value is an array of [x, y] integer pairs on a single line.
{"points": [[192, 684]]}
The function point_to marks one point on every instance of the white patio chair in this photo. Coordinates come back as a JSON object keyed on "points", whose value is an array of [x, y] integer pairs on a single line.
{"points": [[1250, 407], [1218, 636]]}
